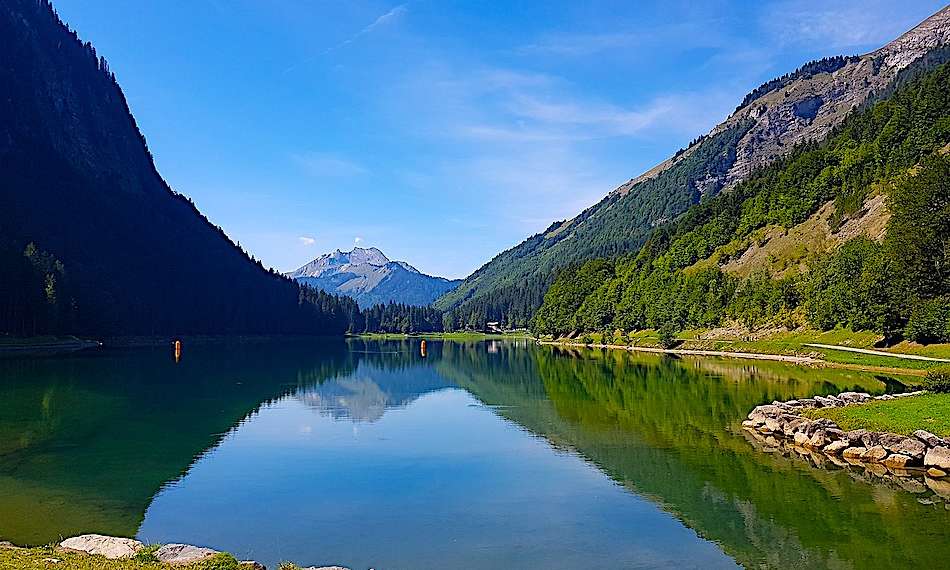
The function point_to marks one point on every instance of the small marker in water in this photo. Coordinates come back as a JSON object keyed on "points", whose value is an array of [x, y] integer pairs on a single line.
{"points": [[422, 349], [177, 350]]}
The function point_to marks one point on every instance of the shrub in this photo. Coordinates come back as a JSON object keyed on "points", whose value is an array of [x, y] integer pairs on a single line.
{"points": [[667, 334], [147, 554], [220, 561], [930, 321], [938, 379]]}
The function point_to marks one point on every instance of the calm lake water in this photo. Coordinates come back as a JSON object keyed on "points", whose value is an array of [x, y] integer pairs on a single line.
{"points": [[482, 455]]}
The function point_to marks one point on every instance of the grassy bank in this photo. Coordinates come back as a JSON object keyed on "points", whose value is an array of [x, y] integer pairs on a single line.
{"points": [[49, 557], [788, 343], [905, 415]]}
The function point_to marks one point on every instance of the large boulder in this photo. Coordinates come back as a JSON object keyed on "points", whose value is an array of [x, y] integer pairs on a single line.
{"points": [[112, 547], [818, 439], [183, 553], [909, 446], [928, 438], [836, 447], [794, 426], [939, 486], [870, 439], [938, 457], [874, 454], [853, 452], [897, 461]]}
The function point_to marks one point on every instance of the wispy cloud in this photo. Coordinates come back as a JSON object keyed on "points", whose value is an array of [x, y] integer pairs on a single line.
{"points": [[306, 241], [327, 165], [379, 22], [580, 44], [507, 106], [357, 240], [837, 24]]}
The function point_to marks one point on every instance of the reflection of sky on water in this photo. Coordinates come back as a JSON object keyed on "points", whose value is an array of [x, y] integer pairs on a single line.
{"points": [[436, 482]]}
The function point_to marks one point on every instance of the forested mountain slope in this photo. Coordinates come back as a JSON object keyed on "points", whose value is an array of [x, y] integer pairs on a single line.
{"points": [[770, 122], [886, 167], [92, 239]]}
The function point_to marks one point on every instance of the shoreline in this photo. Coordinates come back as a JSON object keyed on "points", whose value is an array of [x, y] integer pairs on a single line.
{"points": [[786, 358], [104, 552], [915, 461]]}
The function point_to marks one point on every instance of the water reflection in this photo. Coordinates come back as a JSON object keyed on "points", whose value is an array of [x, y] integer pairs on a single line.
{"points": [[622, 452]]}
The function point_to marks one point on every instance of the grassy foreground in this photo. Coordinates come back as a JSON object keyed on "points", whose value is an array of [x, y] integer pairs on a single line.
{"points": [[905, 415], [46, 557]]}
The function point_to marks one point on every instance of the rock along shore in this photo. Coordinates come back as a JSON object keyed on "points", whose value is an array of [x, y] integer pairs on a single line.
{"points": [[916, 463], [114, 547]]}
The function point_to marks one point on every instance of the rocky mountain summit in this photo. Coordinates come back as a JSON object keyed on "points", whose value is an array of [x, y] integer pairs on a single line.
{"points": [[367, 275]]}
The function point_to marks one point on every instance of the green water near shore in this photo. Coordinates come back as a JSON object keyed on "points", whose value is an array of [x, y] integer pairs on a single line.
{"points": [[494, 452]]}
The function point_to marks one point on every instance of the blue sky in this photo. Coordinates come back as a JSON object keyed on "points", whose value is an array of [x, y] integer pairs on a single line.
{"points": [[441, 132]]}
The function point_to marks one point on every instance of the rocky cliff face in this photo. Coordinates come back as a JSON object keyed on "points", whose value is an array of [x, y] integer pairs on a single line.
{"points": [[371, 278], [808, 107]]}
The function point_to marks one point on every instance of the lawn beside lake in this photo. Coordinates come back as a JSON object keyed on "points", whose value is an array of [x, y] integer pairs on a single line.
{"points": [[789, 343], [930, 412], [50, 557]]}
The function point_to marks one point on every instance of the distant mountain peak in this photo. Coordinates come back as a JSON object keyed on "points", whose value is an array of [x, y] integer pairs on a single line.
{"points": [[367, 275]]}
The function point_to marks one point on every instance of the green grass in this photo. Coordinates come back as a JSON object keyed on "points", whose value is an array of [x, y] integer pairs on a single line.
{"points": [[792, 343], [29, 558], [905, 415]]}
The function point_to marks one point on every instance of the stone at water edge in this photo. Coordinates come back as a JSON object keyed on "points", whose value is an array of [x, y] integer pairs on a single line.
{"points": [[930, 439], [912, 485], [853, 452], [936, 473], [836, 447], [325, 568], [939, 486], [111, 547], [801, 439], [897, 461], [938, 457], [183, 553], [874, 454]]}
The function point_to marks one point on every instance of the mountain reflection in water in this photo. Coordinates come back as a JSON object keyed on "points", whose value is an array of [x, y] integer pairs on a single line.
{"points": [[363, 453]]}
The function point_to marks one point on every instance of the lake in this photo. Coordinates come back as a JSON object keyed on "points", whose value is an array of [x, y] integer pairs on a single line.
{"points": [[493, 454]]}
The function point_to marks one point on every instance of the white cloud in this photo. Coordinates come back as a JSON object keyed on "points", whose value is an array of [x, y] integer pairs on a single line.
{"points": [[839, 24], [357, 240], [379, 22], [306, 241], [326, 165]]}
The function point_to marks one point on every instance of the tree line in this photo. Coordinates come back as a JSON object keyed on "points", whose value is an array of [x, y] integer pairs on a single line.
{"points": [[899, 286]]}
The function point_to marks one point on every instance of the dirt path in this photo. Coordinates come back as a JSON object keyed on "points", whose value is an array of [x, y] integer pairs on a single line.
{"points": [[722, 353], [877, 352]]}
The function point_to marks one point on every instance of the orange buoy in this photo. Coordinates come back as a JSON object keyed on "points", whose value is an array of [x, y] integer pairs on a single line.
{"points": [[177, 351], [422, 349]]}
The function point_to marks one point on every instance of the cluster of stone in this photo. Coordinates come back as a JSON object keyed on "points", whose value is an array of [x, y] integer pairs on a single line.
{"points": [[114, 547], [923, 451]]}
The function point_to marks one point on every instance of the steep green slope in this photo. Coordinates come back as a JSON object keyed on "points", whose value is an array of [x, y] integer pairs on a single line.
{"points": [[770, 122], [92, 239], [896, 146]]}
